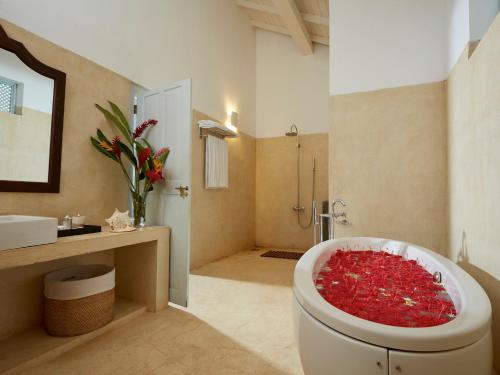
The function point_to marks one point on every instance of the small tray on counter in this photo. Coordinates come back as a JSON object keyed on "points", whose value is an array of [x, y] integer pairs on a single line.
{"points": [[86, 229]]}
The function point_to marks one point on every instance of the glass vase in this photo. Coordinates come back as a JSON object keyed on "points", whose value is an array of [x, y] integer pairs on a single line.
{"points": [[139, 205]]}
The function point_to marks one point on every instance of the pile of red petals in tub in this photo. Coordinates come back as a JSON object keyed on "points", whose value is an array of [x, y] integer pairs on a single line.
{"points": [[384, 288]]}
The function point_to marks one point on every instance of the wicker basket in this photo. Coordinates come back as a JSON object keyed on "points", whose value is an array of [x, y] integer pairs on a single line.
{"points": [[78, 299]]}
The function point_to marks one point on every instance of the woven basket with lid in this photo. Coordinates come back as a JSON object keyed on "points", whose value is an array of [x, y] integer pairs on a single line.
{"points": [[78, 299]]}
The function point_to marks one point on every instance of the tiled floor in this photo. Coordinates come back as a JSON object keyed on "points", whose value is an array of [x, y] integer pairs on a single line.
{"points": [[238, 322]]}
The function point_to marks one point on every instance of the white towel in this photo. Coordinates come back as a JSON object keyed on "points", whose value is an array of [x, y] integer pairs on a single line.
{"points": [[216, 163]]}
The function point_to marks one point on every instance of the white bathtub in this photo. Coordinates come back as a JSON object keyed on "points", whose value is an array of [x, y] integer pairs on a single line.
{"points": [[334, 342]]}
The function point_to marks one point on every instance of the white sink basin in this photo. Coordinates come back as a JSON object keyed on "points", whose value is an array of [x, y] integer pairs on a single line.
{"points": [[22, 231]]}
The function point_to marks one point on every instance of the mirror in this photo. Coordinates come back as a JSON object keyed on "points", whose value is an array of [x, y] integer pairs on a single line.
{"points": [[31, 120], [26, 118]]}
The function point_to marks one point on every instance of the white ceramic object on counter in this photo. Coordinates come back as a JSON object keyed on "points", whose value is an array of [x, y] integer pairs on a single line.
{"points": [[332, 341], [78, 221], [21, 231]]}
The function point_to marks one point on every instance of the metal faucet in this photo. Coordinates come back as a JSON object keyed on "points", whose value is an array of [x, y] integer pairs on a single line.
{"points": [[340, 214], [331, 219]]}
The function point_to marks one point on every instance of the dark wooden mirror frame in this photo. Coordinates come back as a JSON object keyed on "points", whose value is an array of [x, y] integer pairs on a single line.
{"points": [[54, 175]]}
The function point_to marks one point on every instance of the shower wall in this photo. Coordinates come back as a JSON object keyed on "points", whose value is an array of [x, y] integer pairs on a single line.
{"points": [[388, 162], [290, 88], [276, 188], [222, 220]]}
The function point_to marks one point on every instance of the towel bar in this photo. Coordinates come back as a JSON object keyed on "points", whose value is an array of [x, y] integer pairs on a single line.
{"points": [[208, 127]]}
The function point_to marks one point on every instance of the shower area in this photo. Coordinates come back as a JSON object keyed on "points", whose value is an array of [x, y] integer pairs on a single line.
{"points": [[292, 183], [299, 208]]}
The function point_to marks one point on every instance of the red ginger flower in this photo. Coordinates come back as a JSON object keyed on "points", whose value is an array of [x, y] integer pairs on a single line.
{"points": [[141, 128], [160, 152], [116, 148], [154, 175], [143, 156]]}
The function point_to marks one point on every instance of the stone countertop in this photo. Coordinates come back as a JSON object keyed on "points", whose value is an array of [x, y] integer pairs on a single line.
{"points": [[70, 246]]}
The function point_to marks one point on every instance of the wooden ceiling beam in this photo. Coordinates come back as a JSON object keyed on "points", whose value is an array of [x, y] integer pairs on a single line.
{"points": [[270, 27], [292, 19], [321, 40], [311, 18], [256, 6], [283, 30], [318, 20]]}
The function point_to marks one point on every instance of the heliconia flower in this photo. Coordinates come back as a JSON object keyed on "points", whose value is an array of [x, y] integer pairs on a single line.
{"points": [[141, 128], [160, 152], [157, 165], [106, 146], [116, 148], [143, 156], [154, 175]]}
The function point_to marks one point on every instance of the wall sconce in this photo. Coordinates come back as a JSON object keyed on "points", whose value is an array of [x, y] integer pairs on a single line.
{"points": [[233, 124]]}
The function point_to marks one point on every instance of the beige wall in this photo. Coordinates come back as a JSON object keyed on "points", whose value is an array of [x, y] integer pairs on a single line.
{"points": [[210, 41], [25, 143], [223, 220], [290, 88], [277, 188], [388, 162], [90, 183], [474, 168], [386, 43]]}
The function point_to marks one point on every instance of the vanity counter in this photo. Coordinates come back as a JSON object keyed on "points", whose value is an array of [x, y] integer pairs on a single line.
{"points": [[141, 261], [66, 247]]}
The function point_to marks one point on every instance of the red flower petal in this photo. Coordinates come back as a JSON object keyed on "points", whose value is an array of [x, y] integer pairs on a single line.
{"points": [[384, 288], [143, 156]]}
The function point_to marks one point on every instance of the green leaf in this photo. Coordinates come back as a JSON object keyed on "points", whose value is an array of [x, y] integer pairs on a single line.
{"points": [[147, 144], [99, 148], [139, 147], [118, 113], [102, 137], [128, 153], [163, 158], [112, 119]]}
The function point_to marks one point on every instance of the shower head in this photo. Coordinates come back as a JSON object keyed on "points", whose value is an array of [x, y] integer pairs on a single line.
{"points": [[294, 131]]}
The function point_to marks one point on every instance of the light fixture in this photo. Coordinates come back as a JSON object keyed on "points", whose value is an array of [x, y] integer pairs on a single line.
{"points": [[233, 123], [234, 119]]}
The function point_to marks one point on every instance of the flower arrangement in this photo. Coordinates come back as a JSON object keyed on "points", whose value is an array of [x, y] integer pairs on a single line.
{"points": [[134, 154]]}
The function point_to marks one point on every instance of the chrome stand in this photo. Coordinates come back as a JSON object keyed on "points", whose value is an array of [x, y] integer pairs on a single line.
{"points": [[331, 219], [331, 228]]}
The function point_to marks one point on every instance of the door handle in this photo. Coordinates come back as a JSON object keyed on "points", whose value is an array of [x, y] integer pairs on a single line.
{"points": [[183, 191]]}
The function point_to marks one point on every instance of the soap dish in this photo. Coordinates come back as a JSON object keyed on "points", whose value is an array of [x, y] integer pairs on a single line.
{"points": [[86, 229]]}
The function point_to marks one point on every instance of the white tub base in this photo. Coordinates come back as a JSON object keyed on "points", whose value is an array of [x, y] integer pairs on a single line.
{"points": [[324, 351]]}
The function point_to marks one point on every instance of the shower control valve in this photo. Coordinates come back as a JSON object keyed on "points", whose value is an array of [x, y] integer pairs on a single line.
{"points": [[343, 222], [339, 214]]}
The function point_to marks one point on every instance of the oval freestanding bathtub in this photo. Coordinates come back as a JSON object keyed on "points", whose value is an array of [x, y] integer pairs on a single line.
{"points": [[334, 342]]}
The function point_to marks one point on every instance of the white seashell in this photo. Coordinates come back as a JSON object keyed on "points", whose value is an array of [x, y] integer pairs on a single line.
{"points": [[119, 221]]}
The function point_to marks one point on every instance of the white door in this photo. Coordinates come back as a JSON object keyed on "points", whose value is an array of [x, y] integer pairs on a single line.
{"points": [[170, 202]]}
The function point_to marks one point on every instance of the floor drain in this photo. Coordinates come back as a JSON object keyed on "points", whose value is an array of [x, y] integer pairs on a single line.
{"points": [[282, 254]]}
